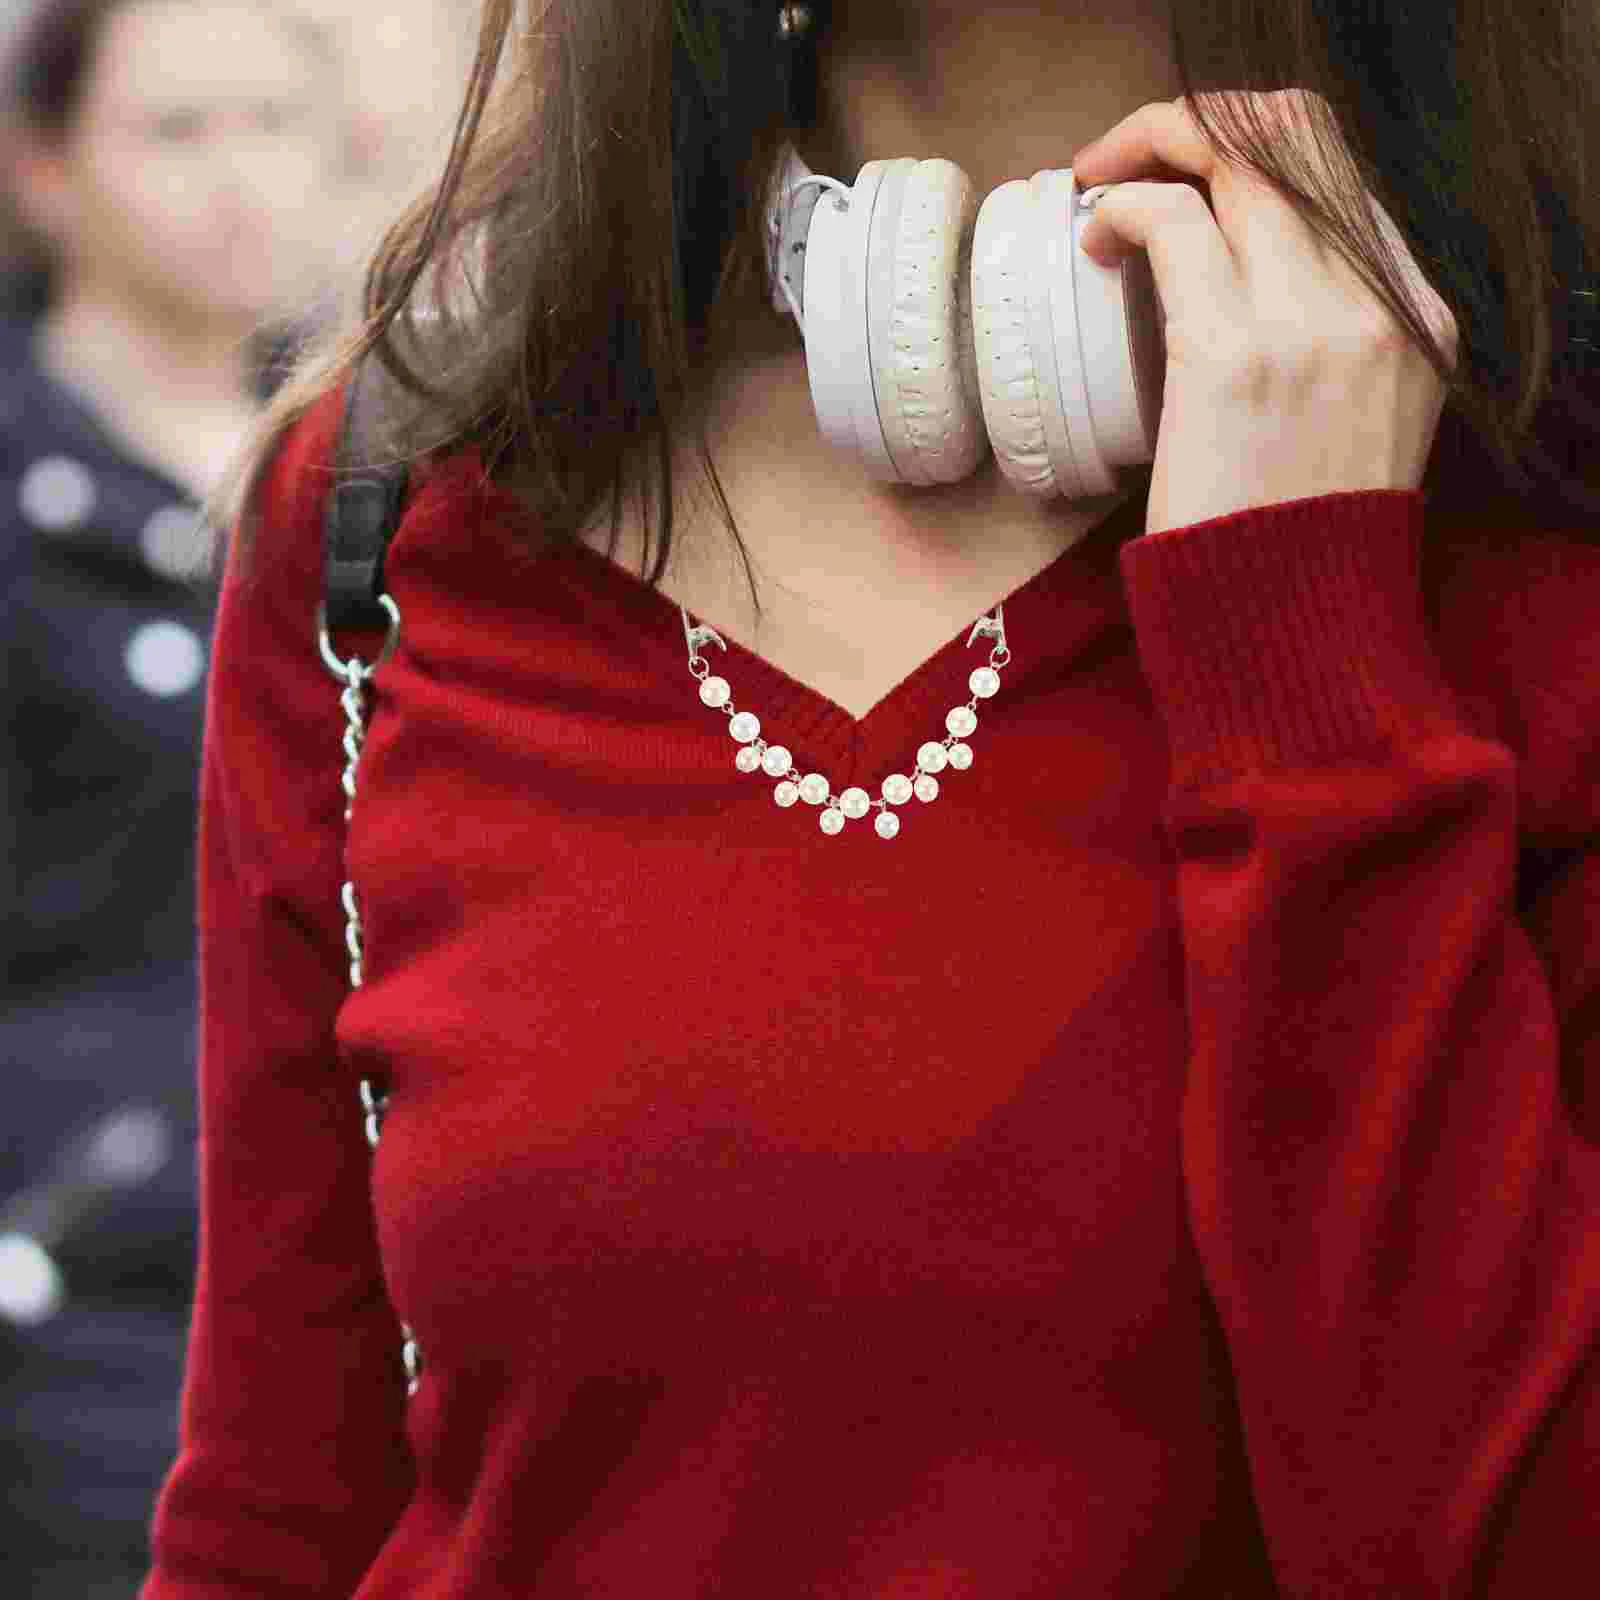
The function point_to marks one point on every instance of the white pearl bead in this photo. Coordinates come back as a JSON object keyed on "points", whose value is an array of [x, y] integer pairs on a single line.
{"points": [[777, 761], [896, 789]]}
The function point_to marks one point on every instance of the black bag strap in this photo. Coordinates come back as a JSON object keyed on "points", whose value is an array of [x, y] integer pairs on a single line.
{"points": [[362, 512]]}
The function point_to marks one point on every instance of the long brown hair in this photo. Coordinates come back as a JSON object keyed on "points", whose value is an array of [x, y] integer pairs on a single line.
{"points": [[597, 233]]}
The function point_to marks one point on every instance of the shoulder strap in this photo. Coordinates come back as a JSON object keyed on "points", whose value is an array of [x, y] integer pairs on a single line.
{"points": [[362, 512]]}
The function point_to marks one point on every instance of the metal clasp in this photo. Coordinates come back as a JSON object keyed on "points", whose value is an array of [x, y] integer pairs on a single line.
{"points": [[697, 634], [342, 669], [990, 627]]}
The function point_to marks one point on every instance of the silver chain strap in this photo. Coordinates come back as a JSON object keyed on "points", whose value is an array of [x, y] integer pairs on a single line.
{"points": [[355, 674]]}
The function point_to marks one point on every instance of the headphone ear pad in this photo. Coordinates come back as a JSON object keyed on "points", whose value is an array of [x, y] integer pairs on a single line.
{"points": [[1011, 385], [1071, 354], [919, 317]]}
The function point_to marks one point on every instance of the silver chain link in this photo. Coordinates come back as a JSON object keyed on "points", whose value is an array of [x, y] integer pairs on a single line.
{"points": [[355, 674]]}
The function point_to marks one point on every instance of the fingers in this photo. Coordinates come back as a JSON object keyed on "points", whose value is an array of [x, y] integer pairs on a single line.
{"points": [[1160, 133], [1125, 217], [1193, 266]]}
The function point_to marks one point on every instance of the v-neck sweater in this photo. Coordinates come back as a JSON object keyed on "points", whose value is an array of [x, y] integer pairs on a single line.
{"points": [[1169, 1167]]}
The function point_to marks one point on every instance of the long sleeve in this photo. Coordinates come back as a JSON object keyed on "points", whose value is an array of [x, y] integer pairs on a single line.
{"points": [[293, 1462], [1388, 1173]]}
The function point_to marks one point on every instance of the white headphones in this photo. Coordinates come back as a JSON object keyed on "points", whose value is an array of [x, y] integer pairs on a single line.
{"points": [[917, 319]]}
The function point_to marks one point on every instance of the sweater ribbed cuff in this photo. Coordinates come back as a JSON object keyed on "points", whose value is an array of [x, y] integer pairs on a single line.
{"points": [[1290, 635]]}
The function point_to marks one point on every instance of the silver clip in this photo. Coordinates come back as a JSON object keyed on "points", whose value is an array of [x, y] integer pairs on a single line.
{"points": [[698, 634], [991, 627]]}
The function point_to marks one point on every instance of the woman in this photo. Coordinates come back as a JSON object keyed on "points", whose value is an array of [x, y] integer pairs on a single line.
{"points": [[165, 189], [1168, 1166]]}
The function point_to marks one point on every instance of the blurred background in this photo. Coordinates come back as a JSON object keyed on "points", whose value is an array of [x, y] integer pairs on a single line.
{"points": [[187, 189]]}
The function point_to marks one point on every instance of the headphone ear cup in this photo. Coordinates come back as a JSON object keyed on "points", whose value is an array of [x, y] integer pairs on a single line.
{"points": [[888, 323], [919, 322], [931, 333], [1117, 342], [838, 366], [1070, 354], [1017, 389]]}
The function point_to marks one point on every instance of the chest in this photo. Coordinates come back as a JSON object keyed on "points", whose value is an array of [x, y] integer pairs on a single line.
{"points": [[642, 1011], [852, 656], [852, 627]]}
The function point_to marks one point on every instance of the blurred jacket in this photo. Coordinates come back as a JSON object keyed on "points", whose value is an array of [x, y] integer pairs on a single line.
{"points": [[106, 630]]}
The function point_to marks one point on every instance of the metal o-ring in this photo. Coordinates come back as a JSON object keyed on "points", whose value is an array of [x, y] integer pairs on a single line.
{"points": [[341, 669]]}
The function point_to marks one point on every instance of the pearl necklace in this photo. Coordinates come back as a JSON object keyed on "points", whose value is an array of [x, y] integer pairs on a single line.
{"points": [[775, 760]]}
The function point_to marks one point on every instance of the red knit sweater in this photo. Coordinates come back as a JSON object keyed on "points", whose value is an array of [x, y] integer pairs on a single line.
{"points": [[1171, 1167]]}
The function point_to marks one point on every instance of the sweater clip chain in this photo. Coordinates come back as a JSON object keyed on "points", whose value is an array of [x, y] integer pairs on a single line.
{"points": [[695, 635]]}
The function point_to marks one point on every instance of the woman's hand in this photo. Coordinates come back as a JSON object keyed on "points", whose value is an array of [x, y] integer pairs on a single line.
{"points": [[1286, 377]]}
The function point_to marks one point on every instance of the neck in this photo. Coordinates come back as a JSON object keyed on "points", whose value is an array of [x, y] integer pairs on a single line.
{"points": [[1003, 90], [103, 340]]}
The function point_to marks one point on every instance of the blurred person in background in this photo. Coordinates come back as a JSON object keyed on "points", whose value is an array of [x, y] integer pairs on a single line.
{"points": [[403, 66], [170, 170]]}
